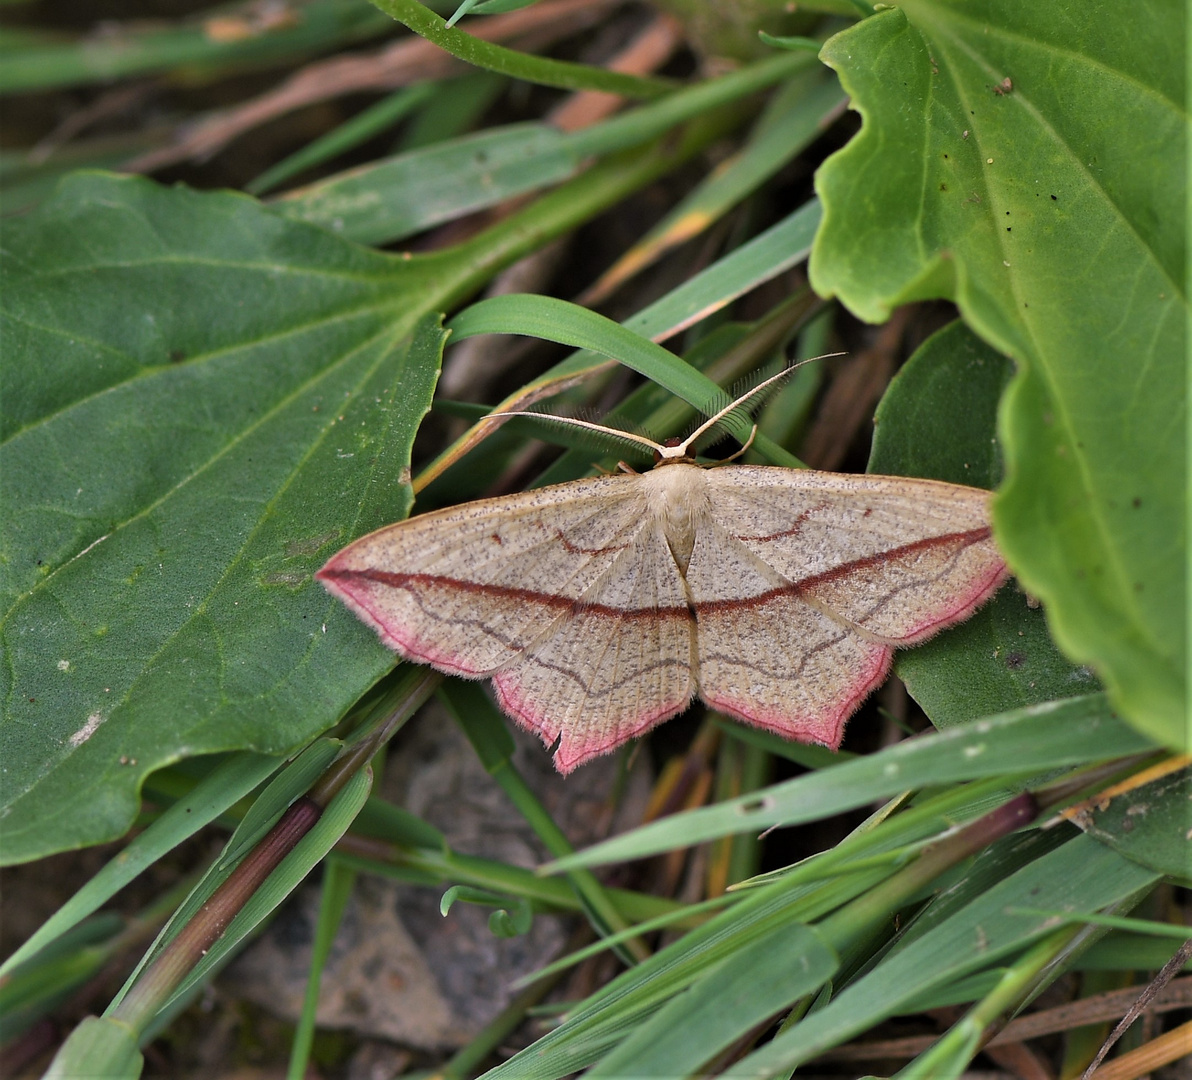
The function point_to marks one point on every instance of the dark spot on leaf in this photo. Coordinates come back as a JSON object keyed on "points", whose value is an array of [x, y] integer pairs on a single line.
{"points": [[943, 187], [1054, 198], [33, 701], [177, 356], [1136, 502], [1015, 660], [754, 806]]}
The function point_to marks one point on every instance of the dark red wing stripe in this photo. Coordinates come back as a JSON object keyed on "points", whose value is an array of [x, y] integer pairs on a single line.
{"points": [[963, 539], [503, 592]]}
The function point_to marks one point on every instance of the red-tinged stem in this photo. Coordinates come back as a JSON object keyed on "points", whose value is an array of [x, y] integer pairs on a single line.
{"points": [[204, 929], [152, 989], [411, 695]]}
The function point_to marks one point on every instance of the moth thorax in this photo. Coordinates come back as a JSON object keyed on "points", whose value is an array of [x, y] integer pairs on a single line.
{"points": [[678, 498]]}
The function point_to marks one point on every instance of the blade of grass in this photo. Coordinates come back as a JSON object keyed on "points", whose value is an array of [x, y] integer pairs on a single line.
{"points": [[1060, 734], [557, 320], [362, 127], [780, 247], [401, 195], [230, 781], [338, 882], [519, 65], [185, 48], [293, 869], [951, 1055], [1079, 872], [635, 994]]}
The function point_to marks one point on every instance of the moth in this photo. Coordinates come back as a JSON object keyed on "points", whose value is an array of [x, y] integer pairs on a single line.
{"points": [[602, 607]]}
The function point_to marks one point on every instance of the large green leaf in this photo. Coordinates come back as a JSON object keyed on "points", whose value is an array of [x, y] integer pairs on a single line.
{"points": [[190, 383], [1027, 161]]}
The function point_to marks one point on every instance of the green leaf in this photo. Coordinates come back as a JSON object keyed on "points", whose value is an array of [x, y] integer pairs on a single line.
{"points": [[938, 420], [201, 402], [1025, 202], [1148, 824], [290, 782], [99, 1048]]}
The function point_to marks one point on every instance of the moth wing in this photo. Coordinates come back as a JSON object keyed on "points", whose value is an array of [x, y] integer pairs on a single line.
{"points": [[470, 588], [896, 557], [618, 664], [765, 655]]}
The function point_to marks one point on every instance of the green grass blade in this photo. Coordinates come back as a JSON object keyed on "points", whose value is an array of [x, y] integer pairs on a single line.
{"points": [[290, 783], [417, 190], [519, 65], [438, 181], [1067, 733], [338, 882], [552, 319], [184, 47], [360, 128], [1080, 872], [308, 852], [100, 1049], [229, 782], [620, 1006], [730, 999]]}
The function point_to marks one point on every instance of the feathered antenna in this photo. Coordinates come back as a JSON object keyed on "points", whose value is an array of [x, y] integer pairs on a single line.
{"points": [[732, 411], [605, 436], [748, 397]]}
